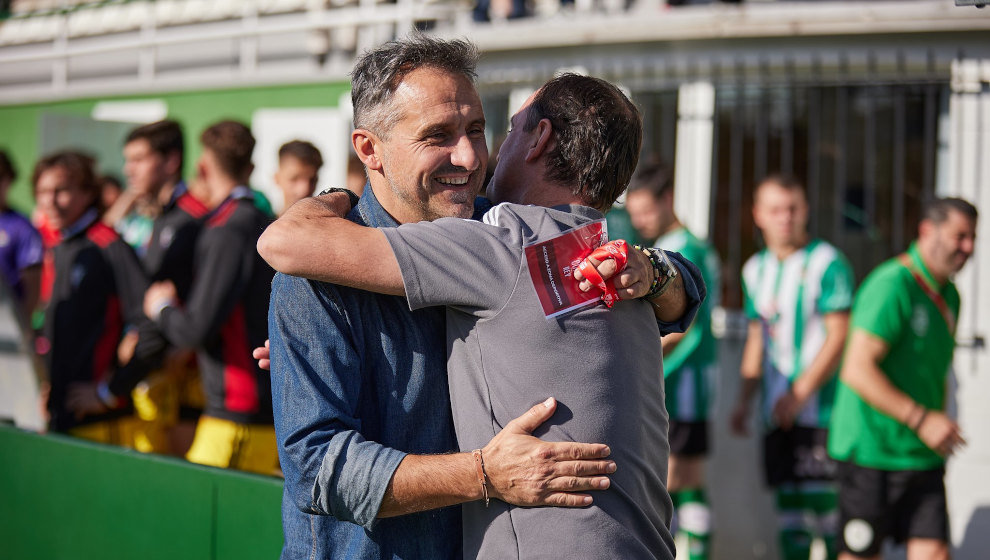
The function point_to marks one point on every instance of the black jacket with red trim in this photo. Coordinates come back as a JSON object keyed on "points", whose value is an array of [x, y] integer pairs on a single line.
{"points": [[225, 315], [98, 291], [173, 242]]}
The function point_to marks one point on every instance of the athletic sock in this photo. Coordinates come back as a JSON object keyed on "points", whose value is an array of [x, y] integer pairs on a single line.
{"points": [[793, 534], [694, 520]]}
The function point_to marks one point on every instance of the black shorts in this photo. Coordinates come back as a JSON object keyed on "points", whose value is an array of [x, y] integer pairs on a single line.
{"points": [[688, 439], [875, 504], [797, 455]]}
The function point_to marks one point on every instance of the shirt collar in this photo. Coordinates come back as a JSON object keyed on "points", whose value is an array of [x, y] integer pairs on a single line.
{"points": [[179, 190], [585, 211], [370, 212], [81, 224], [915, 255]]}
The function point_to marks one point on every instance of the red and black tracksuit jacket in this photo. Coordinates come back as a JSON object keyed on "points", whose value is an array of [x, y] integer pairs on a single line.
{"points": [[225, 315], [172, 247], [98, 290]]}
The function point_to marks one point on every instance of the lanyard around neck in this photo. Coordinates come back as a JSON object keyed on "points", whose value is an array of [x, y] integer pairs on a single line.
{"points": [[931, 291]]}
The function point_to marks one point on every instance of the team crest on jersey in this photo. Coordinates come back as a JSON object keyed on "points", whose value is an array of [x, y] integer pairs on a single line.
{"points": [[4, 238], [919, 321], [168, 232], [76, 275]]}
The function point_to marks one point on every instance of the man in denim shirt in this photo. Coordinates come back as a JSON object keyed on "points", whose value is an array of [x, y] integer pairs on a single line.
{"points": [[572, 147], [362, 413]]}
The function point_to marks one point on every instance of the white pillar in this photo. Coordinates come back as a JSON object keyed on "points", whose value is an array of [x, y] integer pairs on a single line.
{"points": [[693, 156], [969, 178]]}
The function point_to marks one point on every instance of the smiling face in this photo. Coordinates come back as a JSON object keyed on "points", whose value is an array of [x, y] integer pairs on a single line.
{"points": [[433, 158], [948, 245]]}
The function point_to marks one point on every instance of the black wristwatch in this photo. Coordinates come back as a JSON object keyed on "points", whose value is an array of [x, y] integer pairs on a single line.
{"points": [[350, 194]]}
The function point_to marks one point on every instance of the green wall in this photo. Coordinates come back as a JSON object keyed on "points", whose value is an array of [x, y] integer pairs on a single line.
{"points": [[20, 125], [62, 497]]}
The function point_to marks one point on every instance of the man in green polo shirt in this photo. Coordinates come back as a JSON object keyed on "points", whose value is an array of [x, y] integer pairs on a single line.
{"points": [[689, 358], [889, 428]]}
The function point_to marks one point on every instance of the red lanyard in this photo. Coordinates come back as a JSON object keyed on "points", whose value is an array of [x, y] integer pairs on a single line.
{"points": [[931, 292]]}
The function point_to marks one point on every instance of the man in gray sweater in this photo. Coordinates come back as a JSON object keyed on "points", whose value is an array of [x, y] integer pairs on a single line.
{"points": [[569, 154]]}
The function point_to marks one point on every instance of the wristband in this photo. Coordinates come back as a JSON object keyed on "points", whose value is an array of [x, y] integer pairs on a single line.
{"points": [[665, 272], [479, 463], [616, 250], [108, 399], [350, 194]]}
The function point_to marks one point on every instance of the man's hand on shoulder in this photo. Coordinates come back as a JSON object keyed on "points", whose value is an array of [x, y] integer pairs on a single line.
{"points": [[524, 470]]}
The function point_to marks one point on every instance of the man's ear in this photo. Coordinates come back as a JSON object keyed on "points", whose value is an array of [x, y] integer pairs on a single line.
{"points": [[544, 141], [365, 145]]}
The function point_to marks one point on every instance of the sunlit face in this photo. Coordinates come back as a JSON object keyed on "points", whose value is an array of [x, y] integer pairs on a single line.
{"points": [[296, 178], [781, 214], [651, 216], [506, 184], [951, 243], [434, 157], [144, 168], [62, 202]]}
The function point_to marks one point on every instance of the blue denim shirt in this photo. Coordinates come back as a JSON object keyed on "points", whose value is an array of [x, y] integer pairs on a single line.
{"points": [[358, 381]]}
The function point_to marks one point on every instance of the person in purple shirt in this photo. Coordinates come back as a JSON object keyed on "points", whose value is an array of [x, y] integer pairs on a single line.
{"points": [[21, 251]]}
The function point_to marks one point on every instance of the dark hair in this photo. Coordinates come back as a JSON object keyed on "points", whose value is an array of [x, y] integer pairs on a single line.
{"points": [[598, 134], [303, 151], [938, 210], [785, 181], [109, 179], [653, 177], [378, 72], [232, 144], [79, 168], [164, 137], [7, 169]]}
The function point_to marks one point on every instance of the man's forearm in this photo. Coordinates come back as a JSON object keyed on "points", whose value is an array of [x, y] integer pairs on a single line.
{"points": [[670, 341], [312, 241], [425, 482], [827, 360], [673, 303], [863, 375]]}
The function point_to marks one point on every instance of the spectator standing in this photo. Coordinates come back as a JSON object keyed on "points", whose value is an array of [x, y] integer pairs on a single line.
{"points": [[298, 171], [21, 250], [797, 293], [689, 358], [97, 291], [225, 313], [167, 402], [889, 427]]}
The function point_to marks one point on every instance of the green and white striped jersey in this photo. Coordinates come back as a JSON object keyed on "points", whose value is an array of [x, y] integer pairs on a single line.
{"points": [[689, 369], [790, 299]]}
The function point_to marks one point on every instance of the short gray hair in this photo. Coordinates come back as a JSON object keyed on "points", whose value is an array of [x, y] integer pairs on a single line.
{"points": [[378, 72]]}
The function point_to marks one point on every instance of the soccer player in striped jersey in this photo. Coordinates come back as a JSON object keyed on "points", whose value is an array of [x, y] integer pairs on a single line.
{"points": [[797, 293], [689, 358]]}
